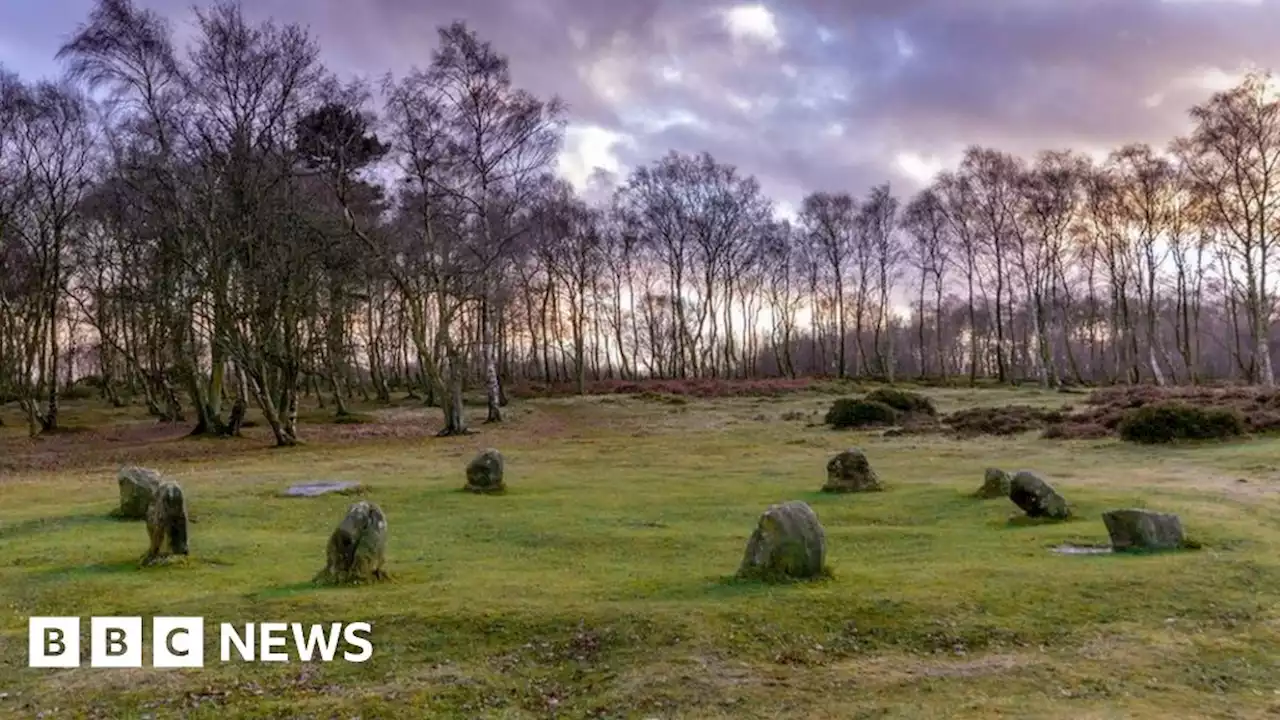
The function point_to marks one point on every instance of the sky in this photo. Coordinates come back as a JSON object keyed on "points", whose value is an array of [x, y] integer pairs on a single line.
{"points": [[807, 95]]}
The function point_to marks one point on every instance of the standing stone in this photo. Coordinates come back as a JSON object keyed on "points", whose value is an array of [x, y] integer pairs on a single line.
{"points": [[1036, 497], [851, 472], [166, 523], [137, 489], [484, 473], [995, 483], [1143, 530], [357, 548], [788, 543]]}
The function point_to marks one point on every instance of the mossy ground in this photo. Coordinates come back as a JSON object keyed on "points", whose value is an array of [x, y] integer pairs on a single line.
{"points": [[600, 584]]}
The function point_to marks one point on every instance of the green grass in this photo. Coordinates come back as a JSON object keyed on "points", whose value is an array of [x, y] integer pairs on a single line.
{"points": [[600, 585]]}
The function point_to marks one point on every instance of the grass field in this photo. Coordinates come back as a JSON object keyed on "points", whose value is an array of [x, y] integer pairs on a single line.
{"points": [[599, 585]]}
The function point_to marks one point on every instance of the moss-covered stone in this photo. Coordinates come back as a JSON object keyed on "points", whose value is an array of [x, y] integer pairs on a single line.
{"points": [[357, 548], [996, 483], [485, 473], [850, 471], [166, 523], [788, 543], [1036, 497], [1139, 530], [137, 489]]}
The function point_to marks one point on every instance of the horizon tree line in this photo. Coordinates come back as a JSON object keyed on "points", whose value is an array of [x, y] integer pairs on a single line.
{"points": [[231, 225]]}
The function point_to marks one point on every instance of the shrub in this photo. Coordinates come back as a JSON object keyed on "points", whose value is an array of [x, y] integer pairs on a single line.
{"points": [[688, 387], [1007, 420], [1263, 421], [851, 413], [1170, 421], [903, 401], [78, 392]]}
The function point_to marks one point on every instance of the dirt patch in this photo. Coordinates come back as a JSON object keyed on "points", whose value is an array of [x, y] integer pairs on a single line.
{"points": [[693, 387], [1195, 479], [151, 442], [886, 670], [979, 667], [719, 676]]}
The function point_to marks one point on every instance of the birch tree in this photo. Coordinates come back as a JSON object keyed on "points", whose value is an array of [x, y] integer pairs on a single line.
{"points": [[1233, 159]]}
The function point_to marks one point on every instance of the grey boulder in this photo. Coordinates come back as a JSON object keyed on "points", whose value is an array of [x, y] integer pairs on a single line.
{"points": [[357, 548], [1036, 497], [788, 543], [485, 473], [996, 483], [1143, 530], [138, 487], [850, 471]]}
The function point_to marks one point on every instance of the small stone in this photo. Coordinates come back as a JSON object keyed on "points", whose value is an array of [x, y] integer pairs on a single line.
{"points": [[484, 473], [850, 471], [137, 489], [1143, 530], [788, 543], [1036, 497], [323, 487], [357, 548], [995, 483]]}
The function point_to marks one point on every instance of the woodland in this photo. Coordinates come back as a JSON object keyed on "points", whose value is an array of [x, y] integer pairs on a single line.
{"points": [[229, 225]]}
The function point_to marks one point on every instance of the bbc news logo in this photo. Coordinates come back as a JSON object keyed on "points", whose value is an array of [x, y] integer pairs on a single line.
{"points": [[178, 642]]}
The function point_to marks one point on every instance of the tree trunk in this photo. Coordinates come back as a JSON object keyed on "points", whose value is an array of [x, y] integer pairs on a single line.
{"points": [[493, 387], [236, 420], [262, 392], [920, 329], [455, 422]]}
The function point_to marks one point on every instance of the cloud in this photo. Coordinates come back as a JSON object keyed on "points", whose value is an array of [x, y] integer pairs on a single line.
{"points": [[753, 23], [587, 150], [919, 169], [805, 94]]}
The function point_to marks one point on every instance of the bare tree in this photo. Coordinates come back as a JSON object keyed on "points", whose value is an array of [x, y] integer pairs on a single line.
{"points": [[231, 228], [51, 148], [957, 193], [1051, 196], [830, 221], [994, 179], [925, 220], [571, 244], [878, 222], [501, 140], [784, 263], [1189, 243], [1148, 190], [1233, 159]]}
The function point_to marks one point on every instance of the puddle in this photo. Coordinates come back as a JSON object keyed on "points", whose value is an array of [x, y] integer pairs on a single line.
{"points": [[1069, 549]]}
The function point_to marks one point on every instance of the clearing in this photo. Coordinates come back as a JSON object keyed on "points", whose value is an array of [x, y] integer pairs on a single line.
{"points": [[598, 586]]}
